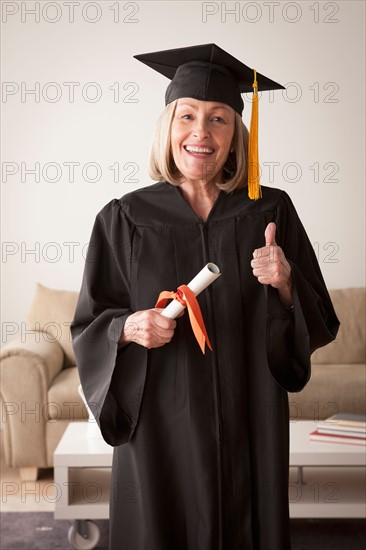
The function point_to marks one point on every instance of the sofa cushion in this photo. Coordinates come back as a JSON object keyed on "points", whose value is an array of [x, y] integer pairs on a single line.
{"points": [[349, 346], [52, 312], [64, 401], [330, 390]]}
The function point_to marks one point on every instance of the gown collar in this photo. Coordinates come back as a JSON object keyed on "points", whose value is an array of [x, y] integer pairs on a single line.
{"points": [[177, 191]]}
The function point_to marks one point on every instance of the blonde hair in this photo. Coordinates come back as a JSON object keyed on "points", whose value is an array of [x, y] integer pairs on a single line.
{"points": [[162, 165]]}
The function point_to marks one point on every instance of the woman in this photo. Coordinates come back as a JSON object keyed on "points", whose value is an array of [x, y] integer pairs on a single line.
{"points": [[201, 440]]}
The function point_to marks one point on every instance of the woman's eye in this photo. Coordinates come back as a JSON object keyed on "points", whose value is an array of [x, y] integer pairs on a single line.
{"points": [[218, 119], [187, 117]]}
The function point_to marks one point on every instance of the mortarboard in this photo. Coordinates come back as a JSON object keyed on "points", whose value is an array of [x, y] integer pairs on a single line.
{"points": [[208, 73]]}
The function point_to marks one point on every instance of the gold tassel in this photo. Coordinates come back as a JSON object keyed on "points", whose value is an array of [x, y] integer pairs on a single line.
{"points": [[254, 186]]}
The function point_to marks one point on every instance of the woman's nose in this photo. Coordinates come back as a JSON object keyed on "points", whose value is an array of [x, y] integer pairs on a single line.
{"points": [[201, 128]]}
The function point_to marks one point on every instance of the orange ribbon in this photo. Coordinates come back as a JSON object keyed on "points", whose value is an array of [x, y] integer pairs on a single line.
{"points": [[186, 297]]}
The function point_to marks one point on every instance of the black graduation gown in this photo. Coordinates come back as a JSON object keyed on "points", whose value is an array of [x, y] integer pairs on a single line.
{"points": [[201, 440]]}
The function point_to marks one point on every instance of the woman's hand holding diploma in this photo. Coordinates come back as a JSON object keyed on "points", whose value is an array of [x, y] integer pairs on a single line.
{"points": [[148, 328], [154, 327]]}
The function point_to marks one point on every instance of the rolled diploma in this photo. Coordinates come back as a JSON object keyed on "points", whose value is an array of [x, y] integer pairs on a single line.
{"points": [[202, 280]]}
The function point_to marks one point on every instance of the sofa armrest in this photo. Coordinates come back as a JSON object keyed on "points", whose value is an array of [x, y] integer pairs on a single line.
{"points": [[27, 371], [49, 351]]}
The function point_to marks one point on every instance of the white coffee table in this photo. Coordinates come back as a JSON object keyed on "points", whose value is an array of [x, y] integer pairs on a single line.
{"points": [[82, 472], [326, 479]]}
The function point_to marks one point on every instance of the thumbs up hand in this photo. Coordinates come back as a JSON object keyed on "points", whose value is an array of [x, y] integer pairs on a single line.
{"points": [[270, 234], [271, 267]]}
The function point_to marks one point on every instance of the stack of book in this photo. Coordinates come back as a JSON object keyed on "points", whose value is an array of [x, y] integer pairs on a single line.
{"points": [[341, 428]]}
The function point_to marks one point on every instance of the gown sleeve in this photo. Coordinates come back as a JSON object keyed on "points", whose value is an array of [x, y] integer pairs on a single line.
{"points": [[112, 377], [293, 336]]}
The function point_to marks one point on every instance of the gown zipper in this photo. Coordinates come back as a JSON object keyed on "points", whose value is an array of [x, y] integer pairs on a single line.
{"points": [[217, 392], [203, 224]]}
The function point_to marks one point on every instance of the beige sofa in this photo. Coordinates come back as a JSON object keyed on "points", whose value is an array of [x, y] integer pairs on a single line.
{"points": [[39, 383], [338, 379], [39, 379]]}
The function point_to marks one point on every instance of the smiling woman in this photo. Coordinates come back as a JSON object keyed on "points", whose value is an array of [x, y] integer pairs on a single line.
{"points": [[163, 162], [201, 130], [201, 138], [201, 440]]}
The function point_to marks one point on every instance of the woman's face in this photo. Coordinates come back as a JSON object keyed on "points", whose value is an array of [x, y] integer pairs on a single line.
{"points": [[201, 138]]}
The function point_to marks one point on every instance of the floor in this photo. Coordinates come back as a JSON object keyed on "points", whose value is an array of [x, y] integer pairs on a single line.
{"points": [[26, 496]]}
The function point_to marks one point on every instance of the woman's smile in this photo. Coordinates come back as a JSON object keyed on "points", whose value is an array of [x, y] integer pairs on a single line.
{"points": [[198, 151]]}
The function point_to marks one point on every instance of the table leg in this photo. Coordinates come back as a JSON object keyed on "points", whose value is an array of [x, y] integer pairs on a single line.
{"points": [[300, 476], [61, 477]]}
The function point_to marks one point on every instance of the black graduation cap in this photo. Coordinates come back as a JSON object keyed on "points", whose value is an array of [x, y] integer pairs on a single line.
{"points": [[208, 73]]}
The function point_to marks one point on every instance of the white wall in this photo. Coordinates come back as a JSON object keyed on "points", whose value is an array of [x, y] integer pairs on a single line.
{"points": [[316, 46]]}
